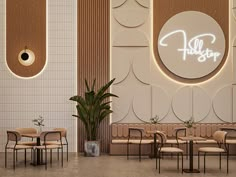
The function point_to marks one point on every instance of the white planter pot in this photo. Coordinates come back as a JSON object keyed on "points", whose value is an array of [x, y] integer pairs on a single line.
{"points": [[92, 148]]}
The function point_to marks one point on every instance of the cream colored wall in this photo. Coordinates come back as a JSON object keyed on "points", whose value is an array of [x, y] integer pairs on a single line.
{"points": [[145, 91], [22, 100]]}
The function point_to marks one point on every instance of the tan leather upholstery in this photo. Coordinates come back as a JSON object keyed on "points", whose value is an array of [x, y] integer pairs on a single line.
{"points": [[211, 149], [171, 149], [26, 130]]}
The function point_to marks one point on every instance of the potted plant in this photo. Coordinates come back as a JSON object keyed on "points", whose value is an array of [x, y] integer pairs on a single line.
{"points": [[92, 109], [39, 123], [189, 124]]}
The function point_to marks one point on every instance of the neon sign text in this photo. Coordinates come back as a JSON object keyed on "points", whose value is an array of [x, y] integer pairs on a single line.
{"points": [[195, 46]]}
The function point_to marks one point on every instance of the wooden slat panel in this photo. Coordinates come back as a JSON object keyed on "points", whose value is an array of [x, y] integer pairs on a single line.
{"points": [[25, 26], [93, 56]]}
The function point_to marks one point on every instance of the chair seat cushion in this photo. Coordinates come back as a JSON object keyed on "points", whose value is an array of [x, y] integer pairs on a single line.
{"points": [[48, 147], [231, 141], [211, 149], [174, 141], [142, 142], [132, 141], [19, 147], [28, 143], [207, 141], [171, 149], [120, 141]]}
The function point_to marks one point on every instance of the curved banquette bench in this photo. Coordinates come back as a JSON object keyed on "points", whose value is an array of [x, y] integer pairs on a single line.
{"points": [[119, 133]]}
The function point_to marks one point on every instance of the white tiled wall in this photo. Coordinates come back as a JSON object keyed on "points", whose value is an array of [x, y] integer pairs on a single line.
{"points": [[48, 94]]}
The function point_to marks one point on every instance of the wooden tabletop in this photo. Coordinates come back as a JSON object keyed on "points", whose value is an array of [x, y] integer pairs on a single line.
{"points": [[193, 138], [30, 135]]}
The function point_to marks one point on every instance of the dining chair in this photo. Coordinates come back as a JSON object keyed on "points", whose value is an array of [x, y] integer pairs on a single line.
{"points": [[135, 137], [220, 137], [13, 139], [64, 141], [162, 149], [47, 136], [28, 143]]}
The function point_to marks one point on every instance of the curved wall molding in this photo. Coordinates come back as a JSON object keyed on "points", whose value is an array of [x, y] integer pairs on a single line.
{"points": [[223, 103], [191, 102], [26, 26], [118, 3], [144, 3], [131, 18]]}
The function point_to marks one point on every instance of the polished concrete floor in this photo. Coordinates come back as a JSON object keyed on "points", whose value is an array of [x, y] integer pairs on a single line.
{"points": [[113, 166]]}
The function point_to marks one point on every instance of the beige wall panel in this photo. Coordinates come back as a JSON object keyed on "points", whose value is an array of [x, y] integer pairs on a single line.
{"points": [[127, 60], [144, 3], [131, 17], [26, 26], [117, 3], [201, 104], [141, 65], [160, 102], [142, 103], [130, 38], [122, 105], [222, 103], [234, 9], [234, 103], [234, 61], [121, 63], [182, 103]]}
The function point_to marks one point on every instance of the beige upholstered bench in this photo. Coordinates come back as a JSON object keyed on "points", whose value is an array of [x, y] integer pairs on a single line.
{"points": [[120, 136]]}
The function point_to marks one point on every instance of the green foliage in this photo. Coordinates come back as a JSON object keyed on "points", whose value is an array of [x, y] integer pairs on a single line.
{"points": [[189, 123], [93, 107], [39, 121]]}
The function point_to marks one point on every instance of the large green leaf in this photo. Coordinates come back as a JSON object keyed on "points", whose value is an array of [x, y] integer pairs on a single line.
{"points": [[93, 107]]}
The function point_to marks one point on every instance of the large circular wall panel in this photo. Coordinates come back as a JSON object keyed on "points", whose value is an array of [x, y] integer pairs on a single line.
{"points": [[222, 103], [191, 45], [160, 102], [191, 102]]}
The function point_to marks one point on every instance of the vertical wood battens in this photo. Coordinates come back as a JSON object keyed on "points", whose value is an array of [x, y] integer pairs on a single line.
{"points": [[93, 56]]}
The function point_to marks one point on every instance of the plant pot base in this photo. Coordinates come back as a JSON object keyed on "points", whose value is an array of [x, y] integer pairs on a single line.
{"points": [[92, 148]]}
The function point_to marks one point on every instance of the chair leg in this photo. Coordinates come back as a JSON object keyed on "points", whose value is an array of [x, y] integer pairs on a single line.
{"points": [[14, 159], [182, 162], [67, 153], [198, 155], [178, 161], [220, 161], [57, 153], [204, 162], [159, 162], [50, 156], [16, 155], [5, 157], [46, 159], [139, 152], [25, 157], [62, 156], [127, 151], [227, 162]]}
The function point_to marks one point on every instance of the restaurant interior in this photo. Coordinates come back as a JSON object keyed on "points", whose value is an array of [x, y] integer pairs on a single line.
{"points": [[106, 88]]}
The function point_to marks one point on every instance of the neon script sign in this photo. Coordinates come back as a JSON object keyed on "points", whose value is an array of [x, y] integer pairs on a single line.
{"points": [[195, 46]]}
